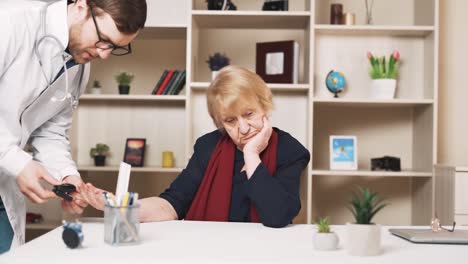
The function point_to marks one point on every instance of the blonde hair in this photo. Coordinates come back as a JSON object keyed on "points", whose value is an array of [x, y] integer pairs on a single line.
{"points": [[235, 88]]}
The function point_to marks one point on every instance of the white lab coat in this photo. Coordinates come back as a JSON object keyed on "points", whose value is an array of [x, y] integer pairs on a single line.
{"points": [[27, 113]]}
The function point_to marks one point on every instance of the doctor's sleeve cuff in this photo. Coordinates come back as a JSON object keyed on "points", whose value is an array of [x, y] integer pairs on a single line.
{"points": [[69, 172], [14, 160], [61, 173]]}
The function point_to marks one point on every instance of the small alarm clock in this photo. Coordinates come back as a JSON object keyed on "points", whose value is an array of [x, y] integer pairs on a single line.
{"points": [[72, 234]]}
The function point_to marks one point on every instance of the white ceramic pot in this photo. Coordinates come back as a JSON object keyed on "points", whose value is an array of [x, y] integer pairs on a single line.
{"points": [[95, 90], [214, 74], [325, 241], [383, 88], [363, 240]]}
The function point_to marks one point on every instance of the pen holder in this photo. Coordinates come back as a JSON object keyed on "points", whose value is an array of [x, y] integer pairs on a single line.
{"points": [[121, 225]]}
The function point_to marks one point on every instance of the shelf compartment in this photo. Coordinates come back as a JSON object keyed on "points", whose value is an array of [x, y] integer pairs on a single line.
{"points": [[405, 207], [367, 173], [255, 5], [88, 168], [369, 30], [131, 97], [395, 12], [372, 102], [251, 19], [403, 132], [163, 32], [280, 87], [112, 122], [149, 59], [348, 54]]}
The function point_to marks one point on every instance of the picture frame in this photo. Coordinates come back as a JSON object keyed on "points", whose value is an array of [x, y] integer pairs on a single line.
{"points": [[135, 151], [343, 153], [278, 61]]}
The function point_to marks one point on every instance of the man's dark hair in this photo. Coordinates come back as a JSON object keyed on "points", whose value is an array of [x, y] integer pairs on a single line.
{"points": [[129, 15]]}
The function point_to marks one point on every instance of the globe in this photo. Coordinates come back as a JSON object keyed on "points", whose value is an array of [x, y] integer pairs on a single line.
{"points": [[335, 82]]}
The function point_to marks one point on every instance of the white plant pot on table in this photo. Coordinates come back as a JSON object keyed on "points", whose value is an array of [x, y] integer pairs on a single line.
{"points": [[363, 240], [325, 241], [383, 88]]}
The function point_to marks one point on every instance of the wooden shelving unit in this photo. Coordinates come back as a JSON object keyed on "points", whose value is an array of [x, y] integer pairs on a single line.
{"points": [[182, 34]]}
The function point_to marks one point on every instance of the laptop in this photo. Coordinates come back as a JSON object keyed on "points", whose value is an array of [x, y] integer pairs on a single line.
{"points": [[427, 236]]}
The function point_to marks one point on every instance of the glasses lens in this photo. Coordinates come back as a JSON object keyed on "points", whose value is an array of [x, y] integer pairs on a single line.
{"points": [[104, 45], [119, 51]]}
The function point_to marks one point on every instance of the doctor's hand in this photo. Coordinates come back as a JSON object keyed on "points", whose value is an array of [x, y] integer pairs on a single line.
{"points": [[78, 204], [28, 181]]}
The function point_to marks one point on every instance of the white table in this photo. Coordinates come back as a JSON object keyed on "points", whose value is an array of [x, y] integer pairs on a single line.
{"points": [[213, 242]]}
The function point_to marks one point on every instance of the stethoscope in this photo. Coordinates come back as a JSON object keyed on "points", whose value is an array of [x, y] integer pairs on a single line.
{"points": [[64, 55]]}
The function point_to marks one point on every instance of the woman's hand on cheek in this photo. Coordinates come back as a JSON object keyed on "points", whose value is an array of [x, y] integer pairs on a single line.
{"points": [[260, 141]]}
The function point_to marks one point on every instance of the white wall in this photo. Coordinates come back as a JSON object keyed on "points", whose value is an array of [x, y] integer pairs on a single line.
{"points": [[453, 83]]}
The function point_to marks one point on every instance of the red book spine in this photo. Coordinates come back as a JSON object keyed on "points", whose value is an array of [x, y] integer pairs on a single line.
{"points": [[166, 81]]}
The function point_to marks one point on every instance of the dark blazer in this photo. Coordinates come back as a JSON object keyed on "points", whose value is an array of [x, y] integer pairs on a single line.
{"points": [[276, 198]]}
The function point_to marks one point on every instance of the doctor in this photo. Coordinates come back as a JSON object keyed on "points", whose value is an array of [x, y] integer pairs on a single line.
{"points": [[45, 48]]}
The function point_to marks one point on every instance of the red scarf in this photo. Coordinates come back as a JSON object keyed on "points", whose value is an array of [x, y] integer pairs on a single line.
{"points": [[213, 198]]}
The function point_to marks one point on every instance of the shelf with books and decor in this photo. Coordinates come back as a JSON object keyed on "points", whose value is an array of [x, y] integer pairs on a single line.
{"points": [[279, 6], [402, 125], [251, 19]]}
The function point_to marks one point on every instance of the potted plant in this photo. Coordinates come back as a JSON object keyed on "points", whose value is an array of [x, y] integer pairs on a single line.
{"points": [[216, 63], [325, 239], [99, 154], [96, 89], [384, 74], [364, 237], [124, 79]]}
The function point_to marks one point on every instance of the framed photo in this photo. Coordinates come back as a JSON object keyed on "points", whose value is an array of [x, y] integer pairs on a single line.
{"points": [[135, 151], [343, 153], [278, 61]]}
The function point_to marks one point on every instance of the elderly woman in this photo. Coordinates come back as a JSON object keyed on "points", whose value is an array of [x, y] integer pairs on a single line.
{"points": [[245, 171]]}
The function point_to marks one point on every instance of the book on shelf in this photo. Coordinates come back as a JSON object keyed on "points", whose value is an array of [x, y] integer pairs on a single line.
{"points": [[163, 76], [165, 82], [171, 82], [278, 61], [180, 83]]}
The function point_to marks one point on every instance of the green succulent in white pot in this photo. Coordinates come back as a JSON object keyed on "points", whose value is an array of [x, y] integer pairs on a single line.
{"points": [[384, 75], [364, 236], [96, 89], [325, 239]]}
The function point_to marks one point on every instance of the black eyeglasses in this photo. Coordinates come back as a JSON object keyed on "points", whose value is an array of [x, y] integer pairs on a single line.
{"points": [[436, 226], [106, 44]]}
